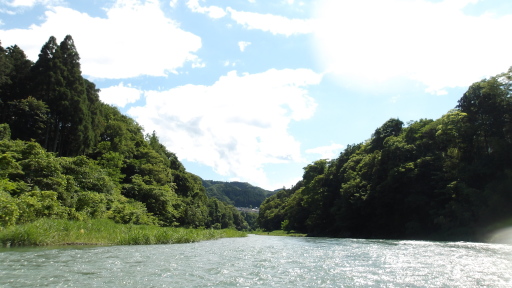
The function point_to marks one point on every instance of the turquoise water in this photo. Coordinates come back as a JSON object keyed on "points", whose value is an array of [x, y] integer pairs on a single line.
{"points": [[263, 261]]}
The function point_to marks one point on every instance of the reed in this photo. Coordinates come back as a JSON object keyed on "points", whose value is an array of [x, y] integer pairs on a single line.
{"points": [[44, 232]]}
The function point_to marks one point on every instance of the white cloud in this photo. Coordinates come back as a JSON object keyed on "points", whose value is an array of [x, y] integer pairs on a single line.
{"points": [[236, 125], [327, 152], [214, 12], [120, 95], [173, 3], [372, 41], [31, 3], [243, 45], [25, 3], [198, 63], [117, 46], [229, 63], [274, 24]]}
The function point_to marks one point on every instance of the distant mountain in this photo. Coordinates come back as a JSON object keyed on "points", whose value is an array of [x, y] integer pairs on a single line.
{"points": [[239, 194]]}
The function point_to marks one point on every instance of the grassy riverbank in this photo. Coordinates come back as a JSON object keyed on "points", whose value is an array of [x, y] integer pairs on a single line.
{"points": [[45, 232], [278, 233]]}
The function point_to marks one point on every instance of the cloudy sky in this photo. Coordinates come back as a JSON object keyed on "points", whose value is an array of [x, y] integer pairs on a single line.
{"points": [[254, 90]]}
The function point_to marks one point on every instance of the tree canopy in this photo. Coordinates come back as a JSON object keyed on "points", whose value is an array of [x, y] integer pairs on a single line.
{"points": [[449, 178], [239, 194], [65, 154]]}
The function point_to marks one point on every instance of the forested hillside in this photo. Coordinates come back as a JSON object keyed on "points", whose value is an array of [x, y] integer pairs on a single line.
{"points": [[65, 154], [239, 194], [449, 178]]}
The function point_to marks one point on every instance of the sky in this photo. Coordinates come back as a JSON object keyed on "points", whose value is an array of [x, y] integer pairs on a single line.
{"points": [[255, 90]]}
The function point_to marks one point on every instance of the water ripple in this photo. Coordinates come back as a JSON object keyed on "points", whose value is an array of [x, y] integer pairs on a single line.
{"points": [[263, 261]]}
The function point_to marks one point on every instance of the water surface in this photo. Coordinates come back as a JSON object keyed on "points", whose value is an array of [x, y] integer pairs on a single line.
{"points": [[263, 261]]}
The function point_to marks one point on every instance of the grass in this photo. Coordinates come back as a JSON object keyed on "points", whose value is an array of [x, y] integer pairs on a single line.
{"points": [[279, 233], [44, 232]]}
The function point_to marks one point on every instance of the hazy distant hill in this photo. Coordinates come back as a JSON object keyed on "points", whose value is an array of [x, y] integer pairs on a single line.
{"points": [[239, 194]]}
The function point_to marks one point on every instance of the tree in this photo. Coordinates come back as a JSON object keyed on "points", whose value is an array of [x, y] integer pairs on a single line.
{"points": [[392, 127], [5, 68], [77, 120], [75, 157], [58, 82], [161, 201], [17, 87], [5, 132], [47, 81], [27, 118], [488, 108]]}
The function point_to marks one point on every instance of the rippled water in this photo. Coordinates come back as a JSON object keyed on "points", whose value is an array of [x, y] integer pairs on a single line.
{"points": [[263, 261]]}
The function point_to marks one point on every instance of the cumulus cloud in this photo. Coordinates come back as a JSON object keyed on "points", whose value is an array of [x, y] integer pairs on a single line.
{"points": [[243, 44], [125, 48], [274, 24], [372, 41], [214, 12], [120, 95], [236, 125]]}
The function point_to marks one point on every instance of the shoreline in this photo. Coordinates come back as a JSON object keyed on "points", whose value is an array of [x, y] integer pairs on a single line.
{"points": [[103, 232]]}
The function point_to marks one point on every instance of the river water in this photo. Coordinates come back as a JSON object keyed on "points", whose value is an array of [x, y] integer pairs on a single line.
{"points": [[263, 261]]}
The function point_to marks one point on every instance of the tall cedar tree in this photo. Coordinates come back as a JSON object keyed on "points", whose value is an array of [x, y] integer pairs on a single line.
{"points": [[58, 82]]}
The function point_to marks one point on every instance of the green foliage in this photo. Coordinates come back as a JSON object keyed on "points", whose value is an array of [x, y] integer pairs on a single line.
{"points": [[39, 204], [444, 179], [252, 220], [5, 68], [272, 210], [171, 160], [5, 132], [238, 194], [103, 232], [87, 175], [92, 204], [28, 118], [161, 201], [9, 209], [74, 157], [129, 211], [223, 216]]}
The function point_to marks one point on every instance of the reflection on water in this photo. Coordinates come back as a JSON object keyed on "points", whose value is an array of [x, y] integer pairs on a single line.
{"points": [[263, 261]]}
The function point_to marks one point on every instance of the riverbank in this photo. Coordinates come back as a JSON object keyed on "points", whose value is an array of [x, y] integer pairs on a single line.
{"points": [[46, 232], [278, 233]]}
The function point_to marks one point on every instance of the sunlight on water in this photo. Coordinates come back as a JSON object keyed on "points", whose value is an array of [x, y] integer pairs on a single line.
{"points": [[263, 261]]}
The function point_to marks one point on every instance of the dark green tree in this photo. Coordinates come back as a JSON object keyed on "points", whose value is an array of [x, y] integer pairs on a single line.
{"points": [[18, 86], [5, 68], [28, 119], [58, 82]]}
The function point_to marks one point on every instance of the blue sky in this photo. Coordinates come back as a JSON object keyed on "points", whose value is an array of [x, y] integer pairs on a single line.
{"points": [[253, 90]]}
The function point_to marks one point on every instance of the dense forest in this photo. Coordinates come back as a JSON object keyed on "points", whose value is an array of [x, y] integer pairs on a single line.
{"points": [[64, 154], [239, 194], [449, 178]]}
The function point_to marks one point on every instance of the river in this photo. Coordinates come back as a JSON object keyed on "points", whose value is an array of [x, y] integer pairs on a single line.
{"points": [[263, 261]]}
